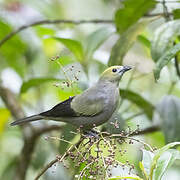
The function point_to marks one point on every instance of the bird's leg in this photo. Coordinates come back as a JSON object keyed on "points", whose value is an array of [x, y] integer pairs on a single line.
{"points": [[91, 133]]}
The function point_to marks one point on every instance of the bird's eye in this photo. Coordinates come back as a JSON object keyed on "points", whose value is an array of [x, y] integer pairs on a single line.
{"points": [[114, 70]]}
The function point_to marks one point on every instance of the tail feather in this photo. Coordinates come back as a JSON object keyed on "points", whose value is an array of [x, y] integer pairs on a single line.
{"points": [[27, 119]]}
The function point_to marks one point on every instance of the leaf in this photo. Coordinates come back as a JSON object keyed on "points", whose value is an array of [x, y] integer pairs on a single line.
{"points": [[168, 108], [164, 59], [115, 124], [74, 46], [95, 39], [165, 162], [143, 170], [68, 136], [131, 12], [125, 42], [176, 13], [125, 177], [157, 156], [34, 82], [10, 168], [139, 101], [163, 38], [44, 31], [147, 160], [144, 41], [4, 116], [12, 52]]}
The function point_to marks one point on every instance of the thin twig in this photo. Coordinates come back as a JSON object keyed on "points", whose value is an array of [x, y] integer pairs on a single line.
{"points": [[62, 21], [46, 167], [146, 131], [57, 21], [71, 149]]}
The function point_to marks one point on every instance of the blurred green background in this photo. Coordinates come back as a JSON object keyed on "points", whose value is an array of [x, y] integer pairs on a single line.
{"points": [[140, 33]]}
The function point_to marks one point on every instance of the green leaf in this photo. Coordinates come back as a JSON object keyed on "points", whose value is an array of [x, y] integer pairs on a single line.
{"points": [[125, 177], [144, 41], [125, 42], [12, 52], [10, 168], [176, 14], [131, 12], [139, 101], [115, 119], [34, 82], [168, 108], [164, 59], [165, 162], [44, 31], [163, 38], [147, 160], [4, 116], [68, 136], [74, 46], [157, 156], [95, 39], [143, 170]]}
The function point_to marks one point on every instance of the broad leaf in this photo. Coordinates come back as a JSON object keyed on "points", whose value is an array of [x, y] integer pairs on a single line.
{"points": [[95, 39], [44, 31], [164, 59], [163, 38], [144, 41], [176, 14], [147, 160], [67, 134], [74, 46], [12, 52], [165, 162], [4, 116], [135, 177], [139, 101], [125, 42], [34, 82], [115, 124], [157, 156], [168, 109], [131, 12]]}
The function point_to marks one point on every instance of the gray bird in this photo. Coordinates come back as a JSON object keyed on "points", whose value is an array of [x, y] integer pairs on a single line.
{"points": [[93, 107]]}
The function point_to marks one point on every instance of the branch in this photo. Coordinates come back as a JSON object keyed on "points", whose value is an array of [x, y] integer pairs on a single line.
{"points": [[50, 164], [57, 21], [11, 102], [46, 168], [45, 129], [30, 135], [146, 130], [72, 148], [61, 21]]}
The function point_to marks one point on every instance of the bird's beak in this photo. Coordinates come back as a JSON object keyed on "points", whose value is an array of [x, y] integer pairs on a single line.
{"points": [[126, 68]]}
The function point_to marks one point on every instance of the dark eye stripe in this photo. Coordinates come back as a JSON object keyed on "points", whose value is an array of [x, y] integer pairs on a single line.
{"points": [[114, 70]]}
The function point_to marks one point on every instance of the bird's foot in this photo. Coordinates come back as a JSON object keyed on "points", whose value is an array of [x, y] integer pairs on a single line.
{"points": [[91, 133]]}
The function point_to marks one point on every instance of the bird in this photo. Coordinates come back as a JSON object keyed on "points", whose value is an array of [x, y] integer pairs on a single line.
{"points": [[91, 108]]}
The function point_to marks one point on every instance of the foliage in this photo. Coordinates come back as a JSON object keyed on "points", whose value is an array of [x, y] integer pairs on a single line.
{"points": [[131, 12], [44, 63]]}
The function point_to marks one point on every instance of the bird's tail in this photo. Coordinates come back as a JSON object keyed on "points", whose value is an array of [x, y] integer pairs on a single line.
{"points": [[27, 119]]}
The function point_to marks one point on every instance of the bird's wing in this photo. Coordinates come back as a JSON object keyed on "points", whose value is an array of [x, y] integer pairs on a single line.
{"points": [[62, 109], [89, 103]]}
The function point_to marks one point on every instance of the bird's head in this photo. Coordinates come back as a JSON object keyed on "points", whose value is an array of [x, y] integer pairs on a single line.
{"points": [[114, 73]]}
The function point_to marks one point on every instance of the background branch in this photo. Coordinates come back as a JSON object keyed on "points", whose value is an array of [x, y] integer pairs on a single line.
{"points": [[30, 135], [50, 164], [61, 21]]}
